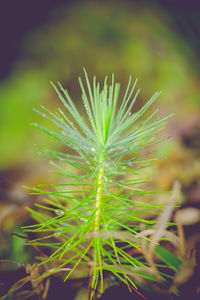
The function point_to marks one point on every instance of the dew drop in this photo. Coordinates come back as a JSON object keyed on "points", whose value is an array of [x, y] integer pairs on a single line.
{"points": [[59, 212], [82, 220], [57, 234]]}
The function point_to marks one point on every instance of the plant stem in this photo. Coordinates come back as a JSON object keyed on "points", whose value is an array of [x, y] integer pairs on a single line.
{"points": [[93, 270], [98, 198]]}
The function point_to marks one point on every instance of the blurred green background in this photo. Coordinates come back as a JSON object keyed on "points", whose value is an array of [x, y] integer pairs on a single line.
{"points": [[155, 41]]}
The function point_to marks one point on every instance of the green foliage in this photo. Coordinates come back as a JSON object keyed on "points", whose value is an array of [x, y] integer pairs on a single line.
{"points": [[94, 214], [169, 258]]}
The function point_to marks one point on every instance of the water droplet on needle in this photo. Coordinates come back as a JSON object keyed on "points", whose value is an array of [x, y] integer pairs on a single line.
{"points": [[59, 212]]}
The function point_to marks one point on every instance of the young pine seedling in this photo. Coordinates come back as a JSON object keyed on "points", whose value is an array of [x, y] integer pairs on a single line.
{"points": [[91, 219]]}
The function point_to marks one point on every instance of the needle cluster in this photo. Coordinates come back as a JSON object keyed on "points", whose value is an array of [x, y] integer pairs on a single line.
{"points": [[93, 217]]}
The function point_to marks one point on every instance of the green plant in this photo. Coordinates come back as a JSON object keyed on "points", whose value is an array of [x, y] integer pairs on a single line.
{"points": [[95, 214]]}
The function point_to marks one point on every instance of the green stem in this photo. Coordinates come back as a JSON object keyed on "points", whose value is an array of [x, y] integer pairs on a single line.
{"points": [[94, 272], [99, 198]]}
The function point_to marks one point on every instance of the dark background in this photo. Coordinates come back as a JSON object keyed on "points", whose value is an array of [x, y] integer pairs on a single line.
{"points": [[18, 18]]}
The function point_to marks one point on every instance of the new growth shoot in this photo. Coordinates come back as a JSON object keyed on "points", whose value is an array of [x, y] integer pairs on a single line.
{"points": [[100, 200]]}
